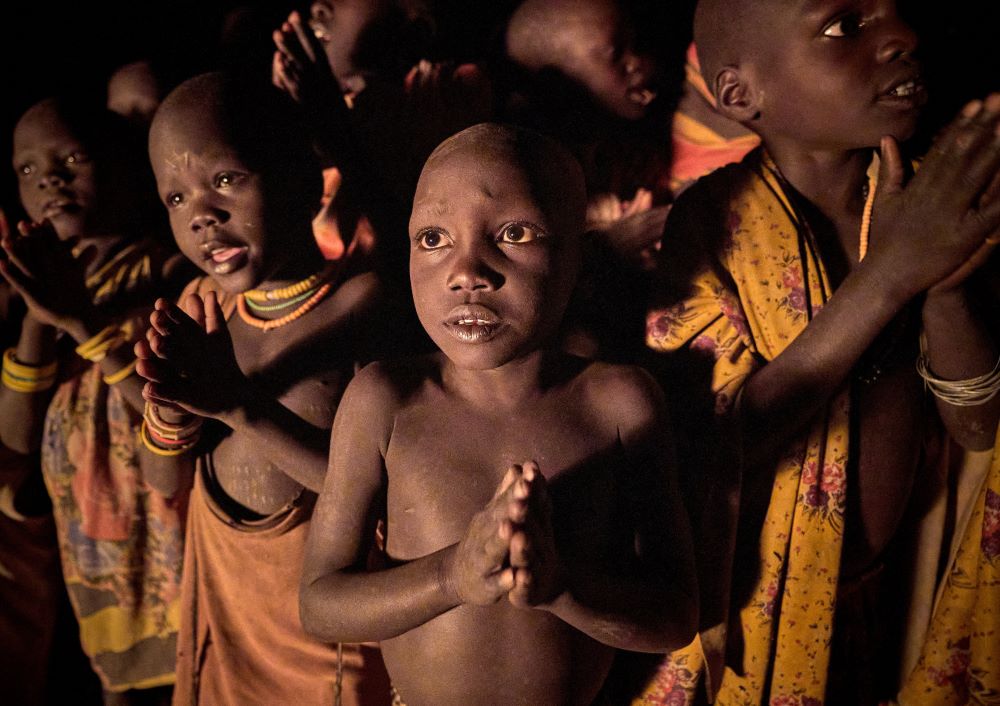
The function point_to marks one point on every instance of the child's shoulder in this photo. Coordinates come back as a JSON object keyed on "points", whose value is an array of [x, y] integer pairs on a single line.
{"points": [[624, 395], [389, 384]]}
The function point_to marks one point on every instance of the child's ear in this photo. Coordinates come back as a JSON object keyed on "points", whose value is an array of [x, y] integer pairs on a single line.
{"points": [[735, 95]]}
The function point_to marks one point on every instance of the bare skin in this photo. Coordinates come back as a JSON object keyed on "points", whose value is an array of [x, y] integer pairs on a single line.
{"points": [[532, 523], [73, 203], [277, 390], [928, 235]]}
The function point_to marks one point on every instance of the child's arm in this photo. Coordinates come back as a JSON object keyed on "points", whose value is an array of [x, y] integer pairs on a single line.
{"points": [[654, 608], [340, 600], [921, 234], [195, 369]]}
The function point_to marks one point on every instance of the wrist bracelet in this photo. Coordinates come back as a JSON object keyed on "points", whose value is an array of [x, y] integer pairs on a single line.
{"points": [[20, 377], [119, 375], [961, 393]]}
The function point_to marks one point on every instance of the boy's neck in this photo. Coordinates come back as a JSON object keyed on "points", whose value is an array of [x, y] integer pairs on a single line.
{"points": [[509, 386], [296, 268], [832, 180], [105, 247]]}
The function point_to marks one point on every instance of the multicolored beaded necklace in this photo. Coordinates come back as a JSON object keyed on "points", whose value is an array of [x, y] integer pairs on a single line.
{"points": [[309, 292]]}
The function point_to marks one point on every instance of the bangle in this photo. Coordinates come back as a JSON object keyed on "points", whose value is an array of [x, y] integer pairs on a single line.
{"points": [[961, 393], [147, 441], [96, 349], [119, 375], [171, 433], [26, 378]]}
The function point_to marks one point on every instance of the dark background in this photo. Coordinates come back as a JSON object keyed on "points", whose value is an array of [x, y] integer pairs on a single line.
{"points": [[49, 47]]}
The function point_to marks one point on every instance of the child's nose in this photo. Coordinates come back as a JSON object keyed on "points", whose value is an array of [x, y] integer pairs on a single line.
{"points": [[470, 272], [53, 178], [207, 217], [898, 39]]}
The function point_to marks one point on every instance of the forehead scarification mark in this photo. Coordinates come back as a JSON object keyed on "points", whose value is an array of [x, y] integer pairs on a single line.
{"points": [[179, 159]]}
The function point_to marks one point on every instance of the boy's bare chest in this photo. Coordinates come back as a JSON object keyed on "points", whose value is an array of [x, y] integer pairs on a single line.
{"points": [[444, 468]]}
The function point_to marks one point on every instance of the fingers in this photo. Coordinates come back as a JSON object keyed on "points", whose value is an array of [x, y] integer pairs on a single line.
{"points": [[4, 225], [968, 161], [307, 40], [891, 171], [194, 307], [521, 593], [215, 319]]}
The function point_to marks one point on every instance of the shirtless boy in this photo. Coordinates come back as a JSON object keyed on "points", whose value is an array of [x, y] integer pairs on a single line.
{"points": [[802, 280], [532, 525], [238, 181]]}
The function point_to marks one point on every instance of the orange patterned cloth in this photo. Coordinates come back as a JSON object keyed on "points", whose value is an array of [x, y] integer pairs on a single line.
{"points": [[121, 543]]}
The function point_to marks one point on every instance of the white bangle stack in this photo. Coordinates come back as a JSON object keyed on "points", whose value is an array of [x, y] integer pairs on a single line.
{"points": [[961, 393]]}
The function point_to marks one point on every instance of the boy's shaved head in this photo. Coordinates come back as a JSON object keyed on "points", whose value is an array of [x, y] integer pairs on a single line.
{"points": [[725, 31], [254, 117], [540, 31], [550, 167]]}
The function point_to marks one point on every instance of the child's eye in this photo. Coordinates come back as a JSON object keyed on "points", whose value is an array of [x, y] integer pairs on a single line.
{"points": [[431, 240], [26, 169], [173, 200], [848, 26], [76, 158], [224, 179], [519, 233]]}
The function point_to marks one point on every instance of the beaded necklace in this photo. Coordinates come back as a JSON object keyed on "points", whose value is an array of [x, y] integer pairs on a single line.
{"points": [[310, 291]]}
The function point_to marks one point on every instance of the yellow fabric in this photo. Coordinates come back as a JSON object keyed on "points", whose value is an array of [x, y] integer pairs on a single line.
{"points": [[960, 659], [752, 291]]}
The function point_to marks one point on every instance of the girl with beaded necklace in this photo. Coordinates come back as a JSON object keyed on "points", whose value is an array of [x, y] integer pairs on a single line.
{"points": [[241, 405]]}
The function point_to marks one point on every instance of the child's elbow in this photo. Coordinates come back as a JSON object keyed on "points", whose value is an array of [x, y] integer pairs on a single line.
{"points": [[680, 620], [309, 613]]}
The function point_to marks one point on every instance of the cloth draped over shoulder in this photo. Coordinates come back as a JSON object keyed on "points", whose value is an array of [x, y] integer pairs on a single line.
{"points": [[120, 541], [743, 278]]}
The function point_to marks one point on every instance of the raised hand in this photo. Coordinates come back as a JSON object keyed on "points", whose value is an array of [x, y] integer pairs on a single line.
{"points": [[478, 571], [533, 557], [188, 358], [301, 68], [44, 271], [938, 228]]}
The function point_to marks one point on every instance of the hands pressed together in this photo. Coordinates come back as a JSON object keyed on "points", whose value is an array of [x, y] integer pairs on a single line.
{"points": [[188, 358], [941, 226], [509, 548]]}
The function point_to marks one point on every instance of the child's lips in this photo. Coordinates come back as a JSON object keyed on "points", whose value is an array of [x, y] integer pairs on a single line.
{"points": [[908, 91], [473, 323], [641, 95], [225, 257]]}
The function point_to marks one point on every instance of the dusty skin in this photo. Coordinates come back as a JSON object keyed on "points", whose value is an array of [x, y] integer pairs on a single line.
{"points": [[532, 520]]}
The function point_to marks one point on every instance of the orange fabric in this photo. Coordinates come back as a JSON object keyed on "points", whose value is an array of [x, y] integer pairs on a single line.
{"points": [[241, 641], [697, 149]]}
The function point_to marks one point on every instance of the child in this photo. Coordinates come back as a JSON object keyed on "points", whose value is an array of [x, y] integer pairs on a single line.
{"points": [[239, 180], [799, 287], [508, 581], [82, 182]]}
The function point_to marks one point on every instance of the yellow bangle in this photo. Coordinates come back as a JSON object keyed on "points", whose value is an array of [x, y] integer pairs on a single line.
{"points": [[96, 348], [116, 377], [186, 432], [153, 448], [26, 378]]}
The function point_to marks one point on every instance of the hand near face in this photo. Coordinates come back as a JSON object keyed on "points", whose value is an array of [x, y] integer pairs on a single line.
{"points": [[300, 66], [937, 229], [533, 557], [188, 358], [44, 271]]}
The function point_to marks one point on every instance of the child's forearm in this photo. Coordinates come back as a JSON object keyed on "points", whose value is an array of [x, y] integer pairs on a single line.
{"points": [[960, 347], [629, 614], [361, 606], [293, 445], [22, 414], [170, 476], [778, 401]]}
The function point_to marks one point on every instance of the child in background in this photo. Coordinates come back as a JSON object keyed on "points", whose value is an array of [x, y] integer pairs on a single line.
{"points": [[506, 580], [85, 266], [239, 180], [376, 108], [805, 292]]}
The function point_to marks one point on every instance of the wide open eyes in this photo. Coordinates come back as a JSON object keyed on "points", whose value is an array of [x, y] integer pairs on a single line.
{"points": [[518, 233], [431, 239]]}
